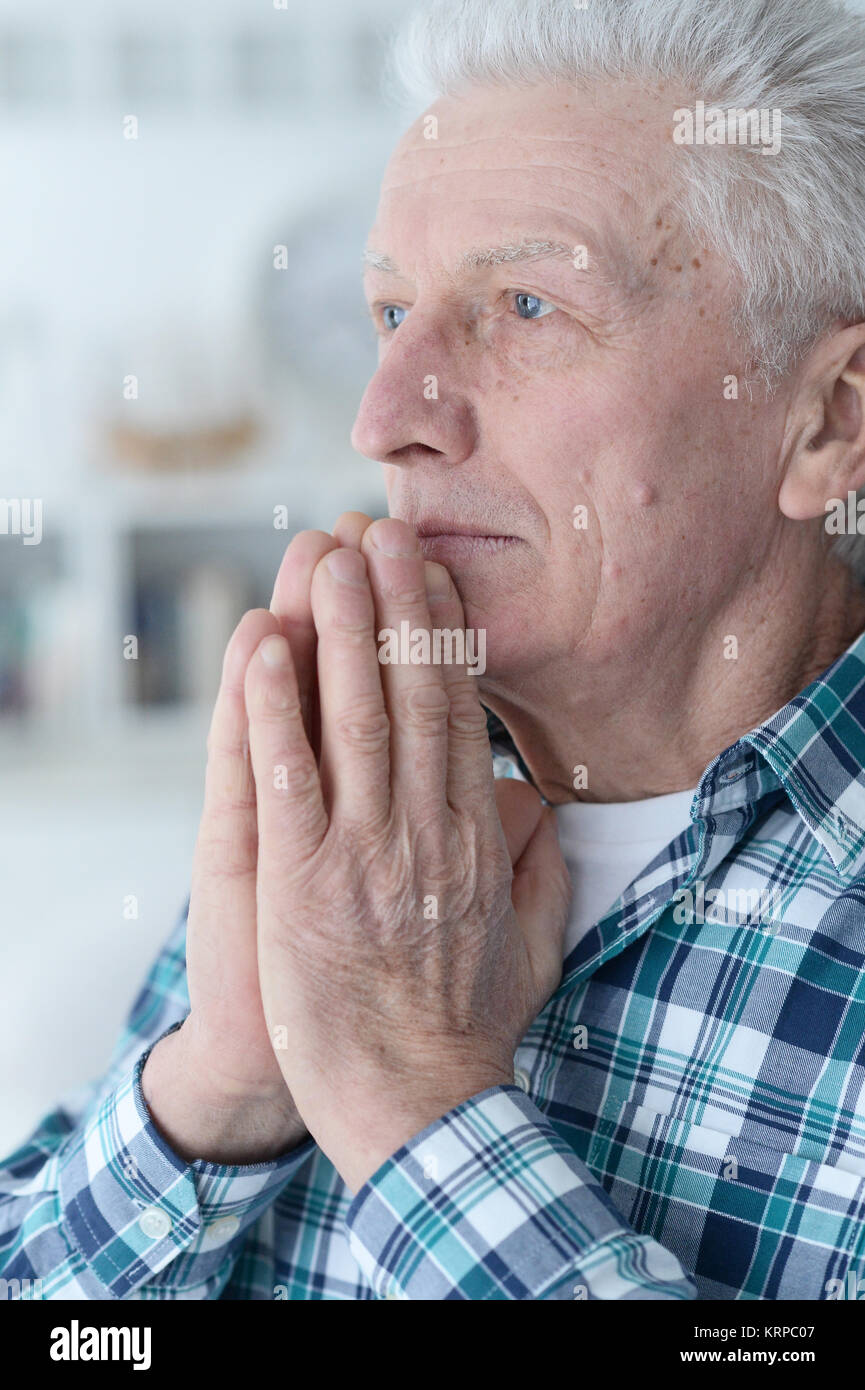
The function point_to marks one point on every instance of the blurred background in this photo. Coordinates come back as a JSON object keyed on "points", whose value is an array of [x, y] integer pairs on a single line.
{"points": [[186, 190]]}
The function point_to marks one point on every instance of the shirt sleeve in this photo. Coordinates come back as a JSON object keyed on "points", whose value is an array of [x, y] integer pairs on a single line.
{"points": [[96, 1205], [491, 1203]]}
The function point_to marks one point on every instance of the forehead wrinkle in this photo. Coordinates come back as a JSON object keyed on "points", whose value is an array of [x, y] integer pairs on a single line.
{"points": [[606, 248]]}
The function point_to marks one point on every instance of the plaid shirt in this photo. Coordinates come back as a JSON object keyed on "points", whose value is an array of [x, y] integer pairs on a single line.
{"points": [[688, 1118]]}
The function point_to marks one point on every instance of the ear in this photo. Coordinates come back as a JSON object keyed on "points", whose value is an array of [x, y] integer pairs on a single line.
{"points": [[824, 442]]}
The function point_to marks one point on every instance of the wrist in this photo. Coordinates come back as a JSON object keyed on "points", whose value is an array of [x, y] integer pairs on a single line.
{"points": [[203, 1119], [374, 1132]]}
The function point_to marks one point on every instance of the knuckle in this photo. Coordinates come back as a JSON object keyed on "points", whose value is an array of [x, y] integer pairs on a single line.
{"points": [[366, 730], [363, 836], [436, 852], [467, 719], [425, 707], [406, 598], [276, 704], [351, 630], [229, 803], [294, 778], [221, 749], [227, 855], [229, 786]]}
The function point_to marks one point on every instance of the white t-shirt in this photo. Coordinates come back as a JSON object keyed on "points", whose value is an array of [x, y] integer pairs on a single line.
{"points": [[606, 844]]}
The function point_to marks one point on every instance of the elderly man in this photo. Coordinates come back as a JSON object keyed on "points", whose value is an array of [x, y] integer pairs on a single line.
{"points": [[586, 1019]]}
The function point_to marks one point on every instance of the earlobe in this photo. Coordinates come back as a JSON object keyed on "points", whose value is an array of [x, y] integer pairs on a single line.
{"points": [[806, 484], [826, 453]]}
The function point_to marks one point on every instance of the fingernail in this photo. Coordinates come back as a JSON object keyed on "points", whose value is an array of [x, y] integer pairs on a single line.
{"points": [[438, 582], [347, 566], [392, 538], [274, 651]]}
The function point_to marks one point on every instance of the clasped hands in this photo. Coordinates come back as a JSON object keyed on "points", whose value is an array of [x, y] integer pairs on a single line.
{"points": [[375, 921]]}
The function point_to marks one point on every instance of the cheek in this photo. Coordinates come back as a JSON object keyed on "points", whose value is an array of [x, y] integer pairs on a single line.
{"points": [[545, 351]]}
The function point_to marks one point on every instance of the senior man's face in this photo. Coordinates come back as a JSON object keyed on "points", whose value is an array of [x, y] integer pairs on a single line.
{"points": [[574, 418]]}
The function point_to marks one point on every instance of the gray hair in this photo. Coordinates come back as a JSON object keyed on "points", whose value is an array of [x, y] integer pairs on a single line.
{"points": [[790, 225]]}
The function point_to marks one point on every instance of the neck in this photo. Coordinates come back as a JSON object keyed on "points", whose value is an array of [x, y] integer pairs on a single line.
{"points": [[654, 733]]}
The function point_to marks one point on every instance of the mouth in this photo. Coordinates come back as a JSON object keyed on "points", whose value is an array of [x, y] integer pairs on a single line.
{"points": [[443, 537]]}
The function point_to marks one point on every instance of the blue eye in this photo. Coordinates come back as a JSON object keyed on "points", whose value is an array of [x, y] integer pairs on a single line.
{"points": [[389, 315], [530, 306]]}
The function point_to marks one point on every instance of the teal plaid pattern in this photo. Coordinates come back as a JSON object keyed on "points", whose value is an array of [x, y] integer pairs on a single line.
{"points": [[689, 1123]]}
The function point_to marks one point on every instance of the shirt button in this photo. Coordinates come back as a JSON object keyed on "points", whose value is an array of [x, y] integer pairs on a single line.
{"points": [[154, 1222], [522, 1079], [222, 1229]]}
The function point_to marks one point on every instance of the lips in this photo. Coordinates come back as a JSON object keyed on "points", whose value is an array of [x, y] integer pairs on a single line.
{"points": [[433, 529], [461, 544]]}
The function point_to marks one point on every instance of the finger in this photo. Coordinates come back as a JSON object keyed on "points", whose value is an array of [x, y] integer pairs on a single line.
{"points": [[290, 604], [291, 817], [228, 835], [540, 893], [414, 692], [349, 529], [355, 737], [469, 760], [520, 810]]}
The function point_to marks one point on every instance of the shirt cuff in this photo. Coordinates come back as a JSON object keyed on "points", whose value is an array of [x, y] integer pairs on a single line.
{"points": [[132, 1208], [489, 1202]]}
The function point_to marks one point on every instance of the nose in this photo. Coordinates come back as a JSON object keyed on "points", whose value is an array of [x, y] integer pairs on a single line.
{"points": [[415, 408]]}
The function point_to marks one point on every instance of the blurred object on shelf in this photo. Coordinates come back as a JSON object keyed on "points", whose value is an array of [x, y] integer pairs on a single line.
{"points": [[216, 447], [181, 399]]}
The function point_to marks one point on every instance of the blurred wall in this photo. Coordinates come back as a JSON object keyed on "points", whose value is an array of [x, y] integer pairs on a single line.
{"points": [[183, 344]]}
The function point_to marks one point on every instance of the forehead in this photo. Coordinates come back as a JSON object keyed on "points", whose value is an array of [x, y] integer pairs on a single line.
{"points": [[589, 168]]}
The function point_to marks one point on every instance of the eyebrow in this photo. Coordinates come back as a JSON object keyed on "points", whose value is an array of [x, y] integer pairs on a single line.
{"points": [[484, 258]]}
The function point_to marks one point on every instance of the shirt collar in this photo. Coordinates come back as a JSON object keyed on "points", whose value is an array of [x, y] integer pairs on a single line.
{"points": [[813, 748]]}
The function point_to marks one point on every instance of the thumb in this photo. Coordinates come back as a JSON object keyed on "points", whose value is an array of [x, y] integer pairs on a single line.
{"points": [[541, 895]]}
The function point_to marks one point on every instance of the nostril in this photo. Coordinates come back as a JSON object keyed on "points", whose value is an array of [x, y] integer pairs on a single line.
{"points": [[414, 453]]}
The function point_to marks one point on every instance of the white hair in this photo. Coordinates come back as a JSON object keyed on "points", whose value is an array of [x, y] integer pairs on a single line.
{"points": [[791, 224]]}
